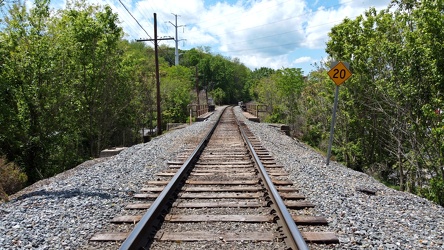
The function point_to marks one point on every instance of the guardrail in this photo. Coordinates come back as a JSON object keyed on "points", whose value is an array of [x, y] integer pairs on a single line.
{"points": [[255, 109], [198, 110]]}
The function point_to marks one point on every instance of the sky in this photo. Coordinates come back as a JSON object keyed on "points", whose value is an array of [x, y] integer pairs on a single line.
{"points": [[260, 33]]}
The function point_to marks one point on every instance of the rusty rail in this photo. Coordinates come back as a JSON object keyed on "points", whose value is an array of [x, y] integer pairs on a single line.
{"points": [[294, 237], [142, 233], [146, 231]]}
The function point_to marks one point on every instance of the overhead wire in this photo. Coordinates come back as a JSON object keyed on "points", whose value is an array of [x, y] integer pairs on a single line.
{"points": [[257, 26], [160, 49], [135, 19], [160, 23], [252, 27], [266, 47]]}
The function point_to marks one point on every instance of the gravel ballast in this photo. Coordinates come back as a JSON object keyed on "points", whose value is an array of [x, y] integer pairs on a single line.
{"points": [[63, 212], [389, 219]]}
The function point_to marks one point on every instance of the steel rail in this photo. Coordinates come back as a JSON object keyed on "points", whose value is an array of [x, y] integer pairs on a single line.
{"points": [[142, 234], [294, 237]]}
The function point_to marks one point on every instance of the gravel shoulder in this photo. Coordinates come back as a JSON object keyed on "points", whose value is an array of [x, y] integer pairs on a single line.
{"points": [[388, 220], [64, 211]]}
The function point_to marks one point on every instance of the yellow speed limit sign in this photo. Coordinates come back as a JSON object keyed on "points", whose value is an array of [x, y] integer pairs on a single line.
{"points": [[339, 73]]}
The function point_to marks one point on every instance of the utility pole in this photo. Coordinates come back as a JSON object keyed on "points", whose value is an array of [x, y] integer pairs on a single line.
{"points": [[197, 88], [156, 56], [176, 51]]}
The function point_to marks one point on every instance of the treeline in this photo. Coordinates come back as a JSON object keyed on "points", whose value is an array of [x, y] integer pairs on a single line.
{"points": [[71, 86], [390, 119]]}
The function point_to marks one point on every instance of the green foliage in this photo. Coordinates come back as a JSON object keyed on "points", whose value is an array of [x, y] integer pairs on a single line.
{"points": [[437, 190], [388, 108], [315, 105], [176, 94], [216, 71], [12, 178], [279, 90], [64, 87], [434, 191], [218, 95], [70, 86]]}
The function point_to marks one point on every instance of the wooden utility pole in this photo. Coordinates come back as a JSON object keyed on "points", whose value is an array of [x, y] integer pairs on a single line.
{"points": [[197, 87], [156, 56]]}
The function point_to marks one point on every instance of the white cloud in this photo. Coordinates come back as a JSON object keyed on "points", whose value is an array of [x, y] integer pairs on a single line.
{"points": [[261, 33], [256, 62], [263, 27], [303, 59], [324, 18], [195, 37]]}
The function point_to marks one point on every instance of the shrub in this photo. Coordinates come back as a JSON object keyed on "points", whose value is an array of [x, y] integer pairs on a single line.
{"points": [[437, 190], [434, 191], [12, 178]]}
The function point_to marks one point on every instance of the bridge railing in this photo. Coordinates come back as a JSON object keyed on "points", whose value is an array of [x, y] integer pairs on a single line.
{"points": [[198, 110], [255, 109]]}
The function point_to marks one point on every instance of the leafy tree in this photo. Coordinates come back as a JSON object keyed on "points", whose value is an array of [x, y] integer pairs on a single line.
{"points": [[389, 106], [218, 95], [58, 72], [138, 68], [315, 106], [70, 86], [26, 71], [176, 93], [254, 79], [280, 92]]}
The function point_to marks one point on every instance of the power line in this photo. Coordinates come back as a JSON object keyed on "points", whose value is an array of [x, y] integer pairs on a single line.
{"points": [[135, 19], [160, 21], [159, 112], [150, 38]]}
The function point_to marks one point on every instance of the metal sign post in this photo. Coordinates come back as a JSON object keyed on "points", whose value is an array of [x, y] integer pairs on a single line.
{"points": [[339, 73], [332, 128]]}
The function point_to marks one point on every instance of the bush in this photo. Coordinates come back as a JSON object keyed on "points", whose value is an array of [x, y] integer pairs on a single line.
{"points": [[12, 179], [437, 190], [434, 191]]}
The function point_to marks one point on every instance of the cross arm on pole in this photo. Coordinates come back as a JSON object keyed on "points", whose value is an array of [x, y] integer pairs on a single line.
{"points": [[158, 39]]}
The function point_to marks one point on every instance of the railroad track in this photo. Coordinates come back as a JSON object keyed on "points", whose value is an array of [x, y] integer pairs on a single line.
{"points": [[227, 193]]}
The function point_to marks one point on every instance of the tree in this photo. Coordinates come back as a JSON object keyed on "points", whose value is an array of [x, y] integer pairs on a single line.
{"points": [[58, 72], [176, 93], [315, 106], [279, 92], [138, 68], [385, 107]]}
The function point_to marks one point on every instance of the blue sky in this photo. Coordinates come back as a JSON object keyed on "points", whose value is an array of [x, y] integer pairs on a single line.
{"points": [[261, 33]]}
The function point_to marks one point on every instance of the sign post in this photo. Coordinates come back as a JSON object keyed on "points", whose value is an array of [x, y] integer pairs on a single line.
{"points": [[339, 73]]}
